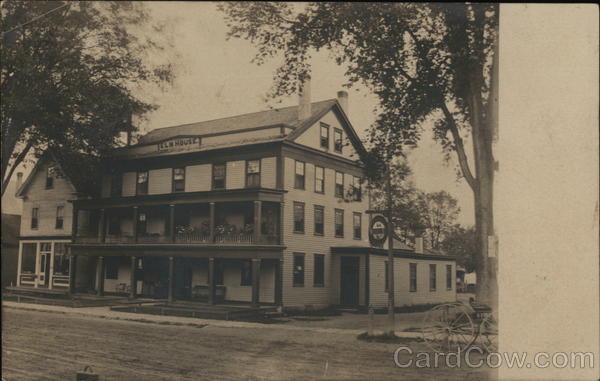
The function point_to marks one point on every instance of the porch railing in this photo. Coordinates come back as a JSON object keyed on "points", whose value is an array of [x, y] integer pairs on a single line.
{"points": [[192, 237], [183, 238]]}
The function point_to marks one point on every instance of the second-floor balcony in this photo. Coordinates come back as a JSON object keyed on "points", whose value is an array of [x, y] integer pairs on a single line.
{"points": [[227, 223]]}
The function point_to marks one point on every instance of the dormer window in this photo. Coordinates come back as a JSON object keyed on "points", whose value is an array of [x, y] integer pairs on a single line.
{"points": [[253, 173], [50, 177], [337, 140], [142, 183], [324, 136], [178, 179], [219, 176]]}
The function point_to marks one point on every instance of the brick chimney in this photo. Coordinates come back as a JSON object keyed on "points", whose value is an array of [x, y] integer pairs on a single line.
{"points": [[342, 98], [304, 110], [419, 245]]}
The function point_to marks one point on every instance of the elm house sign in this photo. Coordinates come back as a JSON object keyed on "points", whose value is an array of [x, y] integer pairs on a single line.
{"points": [[187, 143]]}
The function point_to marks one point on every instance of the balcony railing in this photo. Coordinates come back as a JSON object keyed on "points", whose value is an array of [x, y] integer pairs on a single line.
{"points": [[187, 238]]}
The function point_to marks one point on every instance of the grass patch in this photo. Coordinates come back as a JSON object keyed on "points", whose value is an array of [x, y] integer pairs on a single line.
{"points": [[386, 338]]}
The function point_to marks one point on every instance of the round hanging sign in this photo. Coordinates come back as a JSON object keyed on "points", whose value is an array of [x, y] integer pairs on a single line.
{"points": [[378, 231]]}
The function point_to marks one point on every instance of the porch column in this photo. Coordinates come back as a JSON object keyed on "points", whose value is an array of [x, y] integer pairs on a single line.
{"points": [[367, 280], [172, 223], [72, 271], [74, 222], [278, 282], [257, 220], [211, 221], [135, 224], [36, 280], [132, 280], [281, 219], [19, 263], [211, 280], [50, 274], [255, 281], [100, 276], [102, 226], [171, 276]]}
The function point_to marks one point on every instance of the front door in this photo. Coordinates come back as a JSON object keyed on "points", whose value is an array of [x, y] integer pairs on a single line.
{"points": [[349, 280], [43, 269]]}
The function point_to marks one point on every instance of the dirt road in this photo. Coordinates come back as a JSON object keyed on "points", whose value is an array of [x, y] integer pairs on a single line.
{"points": [[53, 346]]}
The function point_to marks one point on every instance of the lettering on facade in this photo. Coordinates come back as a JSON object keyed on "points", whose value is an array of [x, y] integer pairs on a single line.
{"points": [[179, 144]]}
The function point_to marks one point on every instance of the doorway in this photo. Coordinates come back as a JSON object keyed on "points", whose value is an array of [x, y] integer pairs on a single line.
{"points": [[44, 258], [349, 280]]}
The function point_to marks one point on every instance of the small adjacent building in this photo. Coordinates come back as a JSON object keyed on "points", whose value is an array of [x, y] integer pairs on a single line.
{"points": [[261, 208], [45, 226]]}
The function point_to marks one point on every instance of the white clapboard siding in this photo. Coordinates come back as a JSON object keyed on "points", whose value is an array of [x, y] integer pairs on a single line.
{"points": [[160, 181], [129, 179], [268, 172], [198, 178], [235, 176]]}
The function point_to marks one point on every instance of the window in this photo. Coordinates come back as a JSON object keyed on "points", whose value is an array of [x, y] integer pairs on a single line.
{"points": [[386, 276], [142, 183], [50, 178], [298, 217], [319, 179], [246, 275], [28, 258], [356, 188], [116, 184], [319, 220], [252, 173], [34, 218], [298, 270], [178, 179], [339, 184], [61, 260], [219, 176], [357, 225], [112, 268], [449, 277], [299, 178], [432, 278], [324, 136], [319, 270], [339, 223], [413, 277], [60, 215], [337, 140], [142, 223]]}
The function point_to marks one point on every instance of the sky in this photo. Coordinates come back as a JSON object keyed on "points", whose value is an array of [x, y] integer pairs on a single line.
{"points": [[215, 78]]}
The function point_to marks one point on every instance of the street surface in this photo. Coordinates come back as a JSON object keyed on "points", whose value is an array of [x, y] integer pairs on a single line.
{"points": [[40, 345]]}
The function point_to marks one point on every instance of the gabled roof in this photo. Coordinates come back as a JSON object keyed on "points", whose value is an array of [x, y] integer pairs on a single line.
{"points": [[46, 157], [287, 116], [282, 117]]}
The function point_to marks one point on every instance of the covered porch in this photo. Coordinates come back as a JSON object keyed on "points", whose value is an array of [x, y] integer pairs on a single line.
{"points": [[221, 275]]}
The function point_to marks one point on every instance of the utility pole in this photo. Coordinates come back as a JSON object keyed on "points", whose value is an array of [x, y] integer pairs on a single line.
{"points": [[390, 269]]}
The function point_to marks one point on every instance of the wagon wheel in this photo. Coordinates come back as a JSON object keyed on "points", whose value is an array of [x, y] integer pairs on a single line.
{"points": [[448, 328], [488, 333]]}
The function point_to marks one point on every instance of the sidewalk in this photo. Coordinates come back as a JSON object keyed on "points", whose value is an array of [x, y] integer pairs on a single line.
{"points": [[352, 321]]}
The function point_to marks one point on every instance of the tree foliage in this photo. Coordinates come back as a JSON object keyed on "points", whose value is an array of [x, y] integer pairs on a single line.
{"points": [[69, 75], [439, 211], [461, 243], [429, 64]]}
